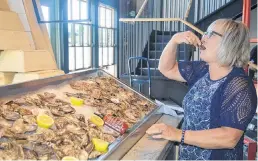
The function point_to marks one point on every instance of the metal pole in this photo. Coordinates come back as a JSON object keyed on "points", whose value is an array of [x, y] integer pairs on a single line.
{"points": [[141, 9], [246, 12]]}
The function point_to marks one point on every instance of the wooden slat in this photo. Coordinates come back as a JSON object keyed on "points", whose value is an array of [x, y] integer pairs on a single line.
{"points": [[14, 40], [26, 61], [44, 30], [4, 5], [34, 26], [23, 77], [10, 21]]}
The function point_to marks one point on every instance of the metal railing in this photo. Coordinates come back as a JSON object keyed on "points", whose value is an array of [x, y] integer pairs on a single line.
{"points": [[135, 34], [205, 7]]}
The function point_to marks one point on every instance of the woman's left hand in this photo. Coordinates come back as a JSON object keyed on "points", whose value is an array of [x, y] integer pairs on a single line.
{"points": [[163, 131]]}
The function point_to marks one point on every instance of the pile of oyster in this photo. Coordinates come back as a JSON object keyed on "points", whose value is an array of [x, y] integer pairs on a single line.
{"points": [[71, 134], [108, 97]]}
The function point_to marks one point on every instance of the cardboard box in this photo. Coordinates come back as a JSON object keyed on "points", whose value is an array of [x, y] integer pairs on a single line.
{"points": [[14, 40], [6, 78], [23, 77], [10, 21], [26, 61]]}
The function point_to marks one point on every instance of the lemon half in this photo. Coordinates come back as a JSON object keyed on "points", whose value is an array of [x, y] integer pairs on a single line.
{"points": [[100, 145], [44, 121], [76, 101], [96, 120]]}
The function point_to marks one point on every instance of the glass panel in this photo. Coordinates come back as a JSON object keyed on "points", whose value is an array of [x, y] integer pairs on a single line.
{"points": [[84, 11], [111, 55], [77, 35], [102, 16], [70, 34], [109, 38], [100, 56], [100, 37], [105, 56], [69, 6], [86, 35], [112, 37], [79, 57], [110, 69], [104, 37], [71, 58], [46, 15], [87, 57], [80, 35], [108, 18], [113, 18], [75, 10]]}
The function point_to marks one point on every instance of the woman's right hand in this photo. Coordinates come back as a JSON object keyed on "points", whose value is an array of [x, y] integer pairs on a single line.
{"points": [[187, 37]]}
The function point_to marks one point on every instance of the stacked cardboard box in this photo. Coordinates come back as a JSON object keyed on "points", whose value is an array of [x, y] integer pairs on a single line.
{"points": [[25, 49]]}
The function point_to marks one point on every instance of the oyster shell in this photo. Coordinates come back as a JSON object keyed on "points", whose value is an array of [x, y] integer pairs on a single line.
{"points": [[9, 115], [20, 127]]}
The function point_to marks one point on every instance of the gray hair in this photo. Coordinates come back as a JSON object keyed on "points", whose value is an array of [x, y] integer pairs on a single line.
{"points": [[234, 49]]}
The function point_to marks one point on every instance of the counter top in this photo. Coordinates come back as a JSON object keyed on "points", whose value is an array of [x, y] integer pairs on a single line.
{"points": [[151, 149]]}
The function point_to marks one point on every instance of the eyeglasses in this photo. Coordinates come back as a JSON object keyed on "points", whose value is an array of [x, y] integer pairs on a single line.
{"points": [[209, 34]]}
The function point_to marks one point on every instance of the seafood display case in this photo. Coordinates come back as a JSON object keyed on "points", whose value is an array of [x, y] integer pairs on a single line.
{"points": [[139, 122]]}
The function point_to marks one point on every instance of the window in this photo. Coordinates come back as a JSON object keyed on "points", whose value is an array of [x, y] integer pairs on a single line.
{"points": [[79, 36], [106, 36], [71, 28], [46, 15]]}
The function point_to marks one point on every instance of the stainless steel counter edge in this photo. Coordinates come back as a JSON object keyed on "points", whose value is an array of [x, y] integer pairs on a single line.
{"points": [[154, 149]]}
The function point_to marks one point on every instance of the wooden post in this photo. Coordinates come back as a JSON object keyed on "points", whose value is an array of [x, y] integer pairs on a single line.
{"points": [[39, 31]]}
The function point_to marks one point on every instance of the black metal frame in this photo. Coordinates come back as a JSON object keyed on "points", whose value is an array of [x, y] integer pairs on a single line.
{"points": [[92, 22], [82, 43], [106, 43], [64, 20]]}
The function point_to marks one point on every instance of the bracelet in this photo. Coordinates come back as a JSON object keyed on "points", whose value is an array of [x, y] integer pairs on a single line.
{"points": [[183, 137]]}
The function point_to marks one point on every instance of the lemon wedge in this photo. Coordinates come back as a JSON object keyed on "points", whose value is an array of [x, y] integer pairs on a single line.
{"points": [[96, 120], [44, 121], [100, 145], [76, 101], [69, 158]]}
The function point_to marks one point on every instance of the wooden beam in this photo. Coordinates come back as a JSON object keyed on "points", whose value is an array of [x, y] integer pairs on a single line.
{"points": [[14, 40], [26, 61], [23, 77], [161, 20], [10, 21], [44, 30], [39, 31]]}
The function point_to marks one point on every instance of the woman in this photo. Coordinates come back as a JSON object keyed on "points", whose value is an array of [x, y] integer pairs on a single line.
{"points": [[220, 102]]}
